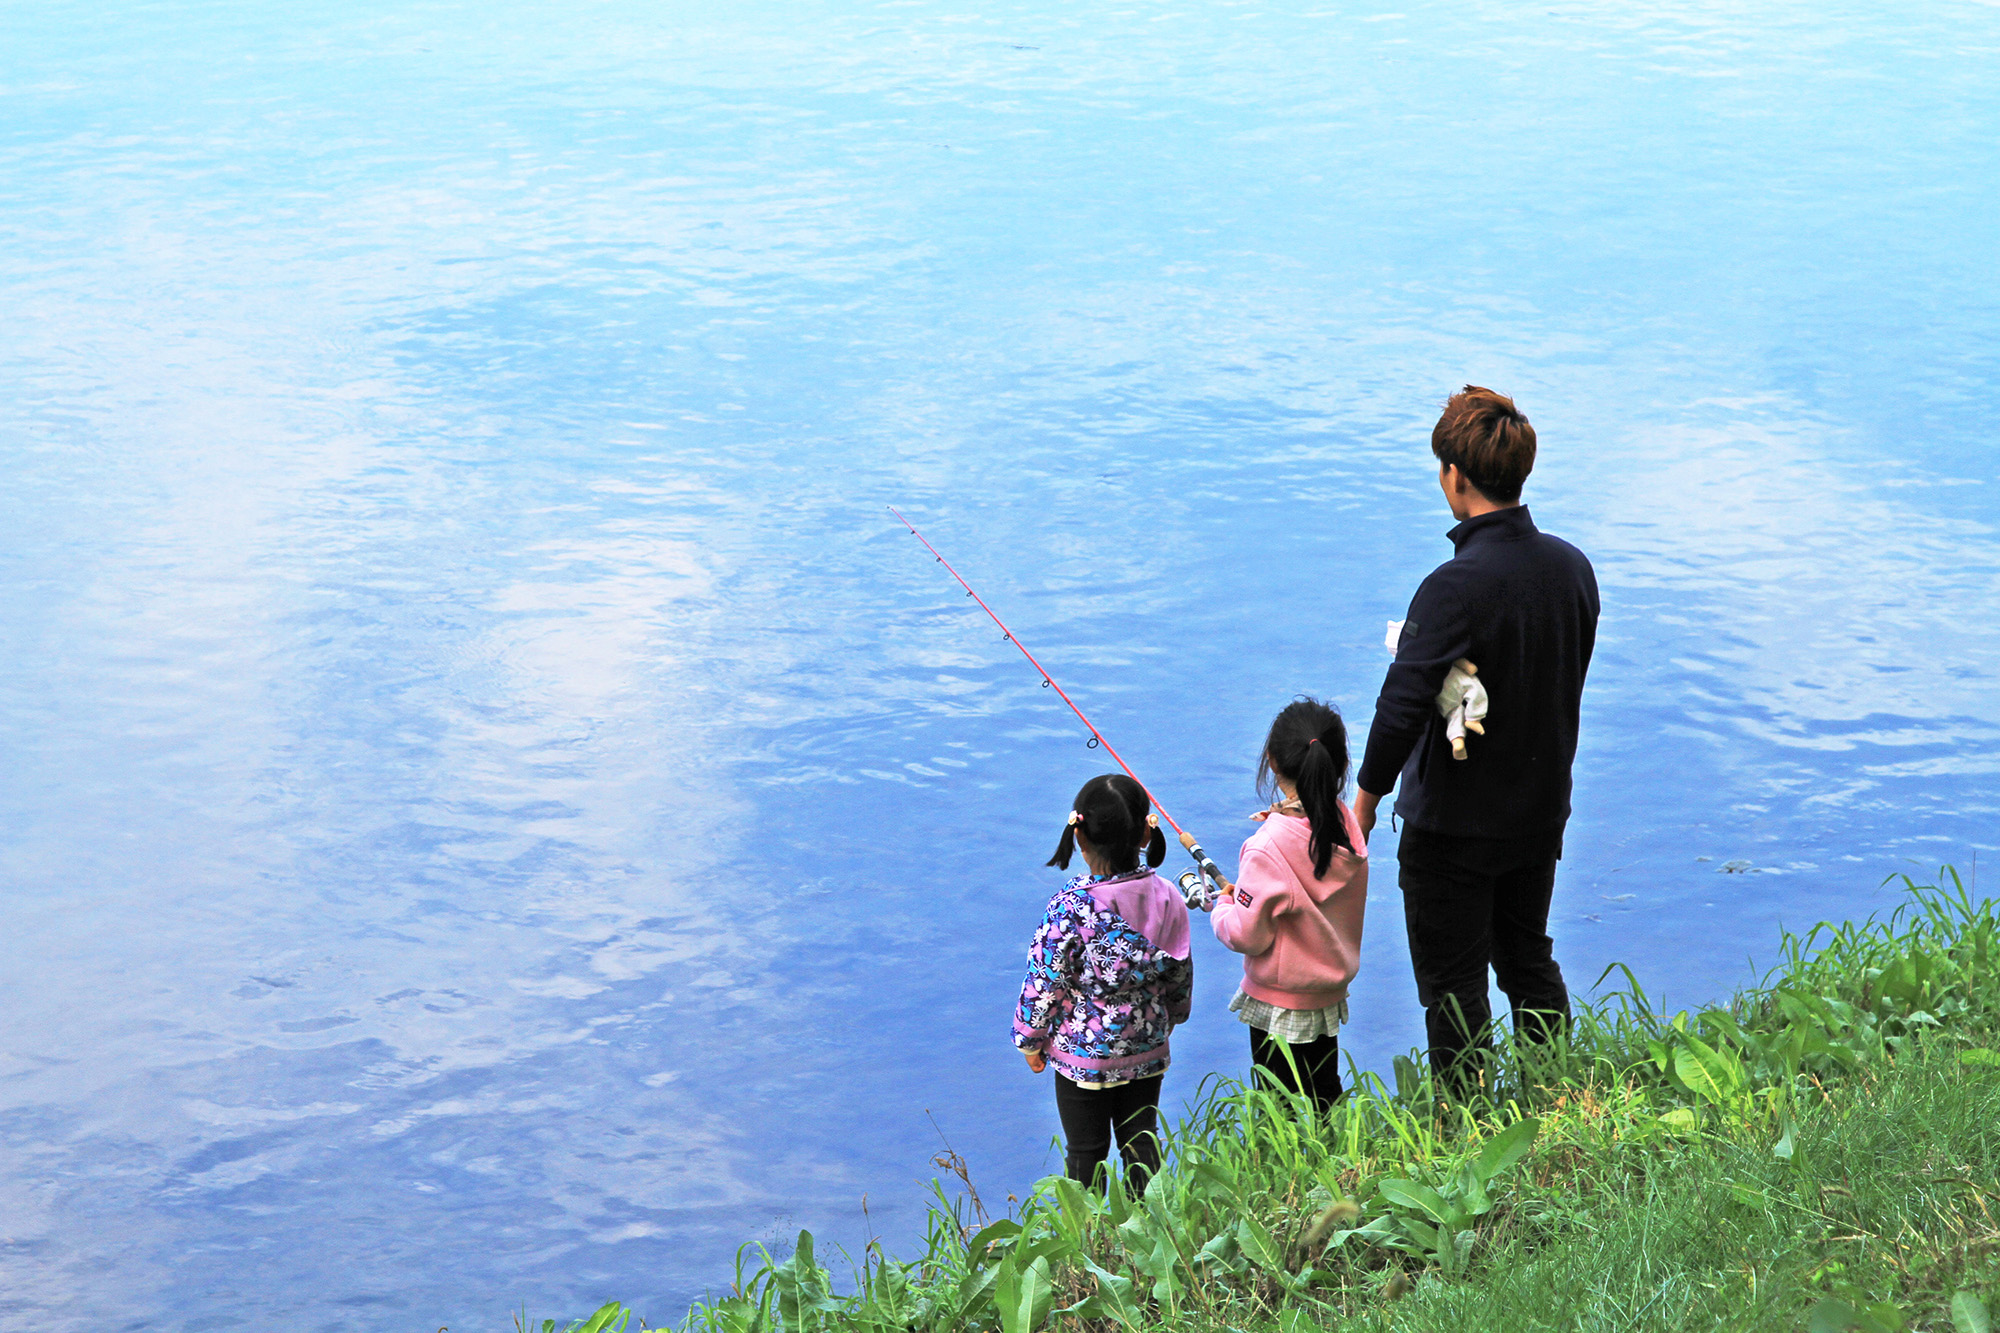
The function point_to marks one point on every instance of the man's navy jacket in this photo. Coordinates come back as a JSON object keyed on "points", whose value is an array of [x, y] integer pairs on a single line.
{"points": [[1522, 605]]}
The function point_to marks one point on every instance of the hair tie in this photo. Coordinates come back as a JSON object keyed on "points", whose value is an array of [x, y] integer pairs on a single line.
{"points": [[1152, 821], [1313, 741], [1075, 818]]}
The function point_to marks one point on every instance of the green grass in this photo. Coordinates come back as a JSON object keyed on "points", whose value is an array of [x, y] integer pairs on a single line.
{"points": [[1886, 1197], [1823, 1154]]}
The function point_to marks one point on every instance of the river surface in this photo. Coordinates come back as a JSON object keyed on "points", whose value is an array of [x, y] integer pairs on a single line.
{"points": [[495, 810]]}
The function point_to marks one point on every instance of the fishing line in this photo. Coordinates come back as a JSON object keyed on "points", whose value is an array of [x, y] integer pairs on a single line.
{"points": [[1208, 867]]}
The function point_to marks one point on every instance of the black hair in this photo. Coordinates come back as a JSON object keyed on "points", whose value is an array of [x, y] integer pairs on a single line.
{"points": [[1307, 747], [1112, 812]]}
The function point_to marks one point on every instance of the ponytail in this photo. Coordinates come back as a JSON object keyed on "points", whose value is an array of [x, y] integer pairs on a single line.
{"points": [[1066, 848], [1307, 747], [1112, 813]]}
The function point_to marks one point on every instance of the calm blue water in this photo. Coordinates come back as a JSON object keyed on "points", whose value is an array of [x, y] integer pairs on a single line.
{"points": [[495, 811]]}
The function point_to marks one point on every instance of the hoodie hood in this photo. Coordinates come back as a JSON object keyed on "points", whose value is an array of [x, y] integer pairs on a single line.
{"points": [[1149, 905], [1290, 837]]}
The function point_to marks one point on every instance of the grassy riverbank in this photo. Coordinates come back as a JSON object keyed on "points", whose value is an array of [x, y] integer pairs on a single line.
{"points": [[1822, 1153]]}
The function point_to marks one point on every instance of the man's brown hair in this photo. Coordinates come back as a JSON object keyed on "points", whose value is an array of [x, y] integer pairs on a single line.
{"points": [[1487, 439]]}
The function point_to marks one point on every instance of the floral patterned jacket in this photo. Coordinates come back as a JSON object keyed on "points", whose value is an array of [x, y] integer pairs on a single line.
{"points": [[1109, 977]]}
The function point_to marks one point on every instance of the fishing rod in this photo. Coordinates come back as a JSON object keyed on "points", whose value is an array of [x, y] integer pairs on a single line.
{"points": [[1207, 877]]}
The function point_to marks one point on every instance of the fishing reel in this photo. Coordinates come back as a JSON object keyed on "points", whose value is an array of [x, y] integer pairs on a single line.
{"points": [[1201, 887]]}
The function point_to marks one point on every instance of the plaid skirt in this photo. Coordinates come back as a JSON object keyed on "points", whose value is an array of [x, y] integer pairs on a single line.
{"points": [[1294, 1025]]}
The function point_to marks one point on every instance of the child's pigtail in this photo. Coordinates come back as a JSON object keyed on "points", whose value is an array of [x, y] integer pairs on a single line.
{"points": [[1067, 847], [1156, 845]]}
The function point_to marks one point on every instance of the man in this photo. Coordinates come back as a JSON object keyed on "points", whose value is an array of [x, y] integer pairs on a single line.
{"points": [[1482, 835]]}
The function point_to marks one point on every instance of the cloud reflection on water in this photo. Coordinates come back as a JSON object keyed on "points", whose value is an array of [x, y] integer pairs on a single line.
{"points": [[500, 812]]}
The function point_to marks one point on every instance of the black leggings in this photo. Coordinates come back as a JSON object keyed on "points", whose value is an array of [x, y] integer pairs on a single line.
{"points": [[1318, 1062], [1091, 1115]]}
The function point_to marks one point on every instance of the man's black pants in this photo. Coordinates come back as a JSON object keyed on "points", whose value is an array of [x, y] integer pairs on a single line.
{"points": [[1090, 1116], [1470, 903]]}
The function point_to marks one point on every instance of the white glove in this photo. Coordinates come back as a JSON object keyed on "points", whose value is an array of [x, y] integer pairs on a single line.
{"points": [[1461, 703]]}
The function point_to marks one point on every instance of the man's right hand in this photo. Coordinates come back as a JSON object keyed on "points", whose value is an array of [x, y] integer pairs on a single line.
{"points": [[1364, 811]]}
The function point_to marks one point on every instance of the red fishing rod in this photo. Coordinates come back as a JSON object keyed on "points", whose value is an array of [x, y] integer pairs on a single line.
{"points": [[1206, 867]]}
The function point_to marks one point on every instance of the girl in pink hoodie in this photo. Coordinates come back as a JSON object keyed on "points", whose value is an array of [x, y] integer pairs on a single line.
{"points": [[1295, 910]]}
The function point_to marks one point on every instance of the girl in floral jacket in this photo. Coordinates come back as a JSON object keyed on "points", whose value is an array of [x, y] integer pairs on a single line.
{"points": [[1109, 977]]}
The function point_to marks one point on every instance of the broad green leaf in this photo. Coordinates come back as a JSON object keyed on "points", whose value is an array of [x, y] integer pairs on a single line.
{"points": [[1025, 1296], [1968, 1314], [1052, 1245], [1469, 1192], [1712, 1075], [1169, 1226], [1090, 1307], [1075, 1204], [1137, 1231], [1115, 1296], [1409, 1080], [1005, 1229], [1832, 1315], [1299, 1319], [1887, 1315], [1261, 1249], [1117, 1204], [1681, 1120], [1724, 1022], [1507, 1147], [1782, 1149], [1409, 1194], [1166, 1270], [1217, 1175], [800, 1284], [1224, 1251], [1979, 1056], [1150, 1253], [601, 1322], [1900, 983], [1429, 1239], [975, 1288], [1747, 1194]]}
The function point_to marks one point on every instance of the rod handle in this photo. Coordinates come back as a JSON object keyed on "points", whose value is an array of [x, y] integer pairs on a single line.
{"points": [[1208, 867]]}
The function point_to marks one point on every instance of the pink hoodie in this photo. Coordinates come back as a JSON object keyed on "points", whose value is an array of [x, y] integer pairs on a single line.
{"points": [[1301, 935]]}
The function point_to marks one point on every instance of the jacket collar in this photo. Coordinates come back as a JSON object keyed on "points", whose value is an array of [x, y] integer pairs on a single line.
{"points": [[1500, 525]]}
